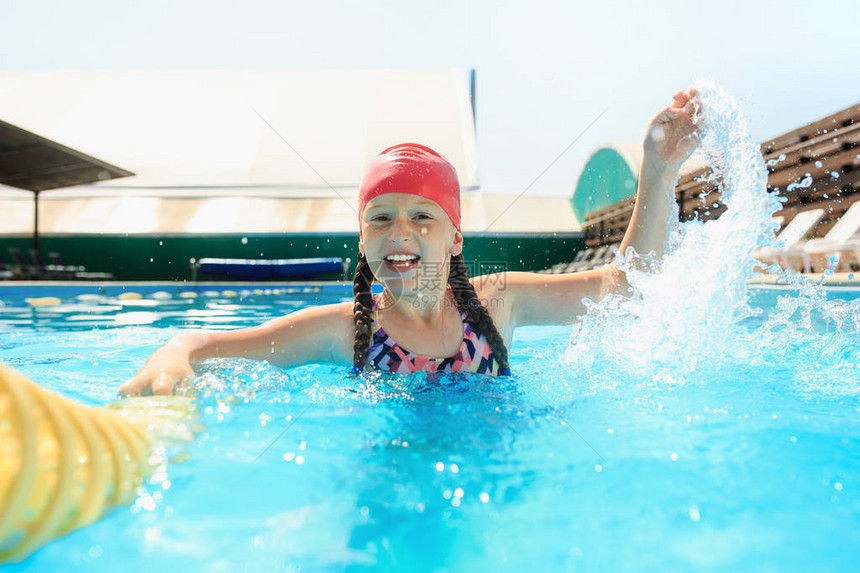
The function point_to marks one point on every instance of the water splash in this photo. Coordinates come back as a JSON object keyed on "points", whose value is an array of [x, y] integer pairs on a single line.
{"points": [[688, 316]]}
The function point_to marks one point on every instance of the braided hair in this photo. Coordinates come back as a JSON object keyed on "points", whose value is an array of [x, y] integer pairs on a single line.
{"points": [[464, 296]]}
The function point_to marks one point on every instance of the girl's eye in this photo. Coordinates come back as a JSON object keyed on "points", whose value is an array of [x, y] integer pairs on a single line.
{"points": [[385, 218]]}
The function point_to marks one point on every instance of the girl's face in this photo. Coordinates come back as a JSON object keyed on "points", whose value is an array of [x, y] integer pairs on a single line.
{"points": [[408, 241]]}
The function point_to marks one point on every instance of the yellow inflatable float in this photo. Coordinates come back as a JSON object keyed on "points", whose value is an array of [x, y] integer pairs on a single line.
{"points": [[63, 464]]}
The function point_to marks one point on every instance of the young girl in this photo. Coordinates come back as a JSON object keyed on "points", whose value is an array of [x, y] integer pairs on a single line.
{"points": [[430, 316]]}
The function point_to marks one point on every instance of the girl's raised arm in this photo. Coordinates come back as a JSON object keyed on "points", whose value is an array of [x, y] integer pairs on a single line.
{"points": [[523, 298], [671, 138]]}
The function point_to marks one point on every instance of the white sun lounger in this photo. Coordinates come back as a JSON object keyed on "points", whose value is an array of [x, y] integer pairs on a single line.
{"points": [[840, 242], [790, 236]]}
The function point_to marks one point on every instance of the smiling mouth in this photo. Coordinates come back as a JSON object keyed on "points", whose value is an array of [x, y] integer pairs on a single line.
{"points": [[401, 262]]}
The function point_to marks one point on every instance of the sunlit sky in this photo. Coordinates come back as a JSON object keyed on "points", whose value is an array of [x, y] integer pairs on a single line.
{"points": [[545, 69]]}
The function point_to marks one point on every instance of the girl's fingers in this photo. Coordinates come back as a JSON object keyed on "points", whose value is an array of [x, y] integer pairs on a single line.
{"points": [[132, 387], [690, 107], [163, 386]]}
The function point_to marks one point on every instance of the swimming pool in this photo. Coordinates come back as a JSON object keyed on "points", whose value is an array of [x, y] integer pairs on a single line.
{"points": [[692, 425], [737, 466]]}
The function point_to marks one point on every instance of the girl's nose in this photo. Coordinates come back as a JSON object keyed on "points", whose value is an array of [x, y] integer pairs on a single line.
{"points": [[400, 230]]}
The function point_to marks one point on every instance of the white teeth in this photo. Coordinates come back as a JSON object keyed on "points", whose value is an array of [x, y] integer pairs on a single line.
{"points": [[401, 257]]}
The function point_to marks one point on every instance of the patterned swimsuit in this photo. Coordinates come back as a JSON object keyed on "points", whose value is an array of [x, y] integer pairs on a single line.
{"points": [[475, 354]]}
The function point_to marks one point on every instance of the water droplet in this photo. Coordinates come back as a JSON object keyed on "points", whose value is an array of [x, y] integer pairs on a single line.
{"points": [[657, 133], [806, 182]]}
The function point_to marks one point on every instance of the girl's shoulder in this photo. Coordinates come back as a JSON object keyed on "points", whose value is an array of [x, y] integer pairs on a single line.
{"points": [[337, 318], [324, 332], [340, 321], [494, 293]]}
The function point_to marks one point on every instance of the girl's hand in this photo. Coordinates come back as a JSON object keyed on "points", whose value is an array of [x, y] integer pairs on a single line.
{"points": [[167, 368], [672, 135]]}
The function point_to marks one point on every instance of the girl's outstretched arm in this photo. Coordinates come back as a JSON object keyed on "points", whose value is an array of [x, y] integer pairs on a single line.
{"points": [[521, 298], [318, 334]]}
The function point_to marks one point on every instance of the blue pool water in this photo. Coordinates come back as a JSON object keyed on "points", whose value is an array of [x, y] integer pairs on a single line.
{"points": [[558, 468], [693, 424]]}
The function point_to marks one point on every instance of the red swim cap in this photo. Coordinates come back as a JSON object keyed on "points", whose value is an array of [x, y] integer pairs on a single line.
{"points": [[414, 169]]}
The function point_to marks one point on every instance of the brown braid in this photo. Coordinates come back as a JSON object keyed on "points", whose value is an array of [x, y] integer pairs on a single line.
{"points": [[362, 312], [467, 299], [464, 295]]}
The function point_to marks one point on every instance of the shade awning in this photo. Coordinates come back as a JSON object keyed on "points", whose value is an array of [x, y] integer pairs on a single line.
{"points": [[36, 163], [262, 129]]}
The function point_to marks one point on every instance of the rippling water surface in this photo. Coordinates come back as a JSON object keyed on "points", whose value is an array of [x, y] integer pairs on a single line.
{"points": [[693, 425], [730, 467]]}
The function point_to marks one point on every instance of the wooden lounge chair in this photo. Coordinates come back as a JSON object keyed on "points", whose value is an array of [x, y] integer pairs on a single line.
{"points": [[76, 272], [579, 258], [21, 268], [587, 263], [51, 271], [6, 272], [790, 236], [608, 256], [839, 242]]}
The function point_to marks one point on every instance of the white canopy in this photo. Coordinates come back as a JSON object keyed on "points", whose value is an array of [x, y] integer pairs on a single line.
{"points": [[237, 151], [495, 213]]}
